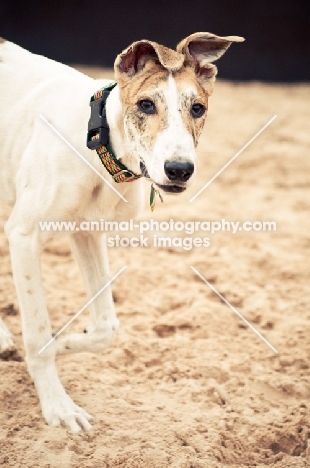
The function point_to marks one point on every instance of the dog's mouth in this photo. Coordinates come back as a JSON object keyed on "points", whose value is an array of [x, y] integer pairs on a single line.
{"points": [[165, 188], [172, 188]]}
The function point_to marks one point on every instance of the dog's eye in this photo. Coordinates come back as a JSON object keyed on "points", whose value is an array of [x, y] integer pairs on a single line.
{"points": [[197, 110], [147, 106]]}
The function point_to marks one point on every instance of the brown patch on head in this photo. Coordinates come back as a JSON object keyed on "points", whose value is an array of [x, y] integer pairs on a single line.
{"points": [[29, 292], [141, 66], [142, 71], [2, 40], [28, 278], [42, 328], [153, 73], [146, 85], [198, 51], [191, 91]]}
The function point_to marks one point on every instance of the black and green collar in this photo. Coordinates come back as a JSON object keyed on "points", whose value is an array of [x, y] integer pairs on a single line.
{"points": [[98, 137]]}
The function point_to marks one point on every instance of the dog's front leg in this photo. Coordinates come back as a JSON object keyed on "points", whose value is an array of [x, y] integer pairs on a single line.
{"points": [[91, 254], [57, 407]]}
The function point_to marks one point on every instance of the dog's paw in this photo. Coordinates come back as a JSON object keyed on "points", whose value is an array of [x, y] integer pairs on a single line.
{"points": [[64, 412]]}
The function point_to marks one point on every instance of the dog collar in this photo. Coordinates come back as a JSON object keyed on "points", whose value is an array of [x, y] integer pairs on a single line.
{"points": [[98, 137]]}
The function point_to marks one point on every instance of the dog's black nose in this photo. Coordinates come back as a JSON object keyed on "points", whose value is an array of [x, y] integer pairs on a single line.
{"points": [[178, 171]]}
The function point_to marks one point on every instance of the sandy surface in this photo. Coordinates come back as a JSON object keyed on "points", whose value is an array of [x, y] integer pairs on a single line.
{"points": [[188, 385]]}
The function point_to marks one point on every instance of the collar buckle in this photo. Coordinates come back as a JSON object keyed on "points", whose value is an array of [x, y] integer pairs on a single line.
{"points": [[131, 177], [98, 128]]}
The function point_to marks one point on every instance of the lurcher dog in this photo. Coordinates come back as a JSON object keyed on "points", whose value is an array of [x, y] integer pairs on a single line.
{"points": [[148, 125]]}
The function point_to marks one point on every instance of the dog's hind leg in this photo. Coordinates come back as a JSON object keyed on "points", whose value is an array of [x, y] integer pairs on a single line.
{"points": [[91, 253], [6, 339]]}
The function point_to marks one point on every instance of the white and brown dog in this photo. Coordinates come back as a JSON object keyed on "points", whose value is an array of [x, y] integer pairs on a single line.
{"points": [[155, 115]]}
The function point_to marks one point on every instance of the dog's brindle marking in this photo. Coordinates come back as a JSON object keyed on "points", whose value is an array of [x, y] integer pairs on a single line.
{"points": [[43, 180], [194, 126], [154, 84]]}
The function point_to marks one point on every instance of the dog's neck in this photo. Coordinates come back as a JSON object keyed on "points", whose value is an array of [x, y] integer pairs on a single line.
{"points": [[119, 141]]}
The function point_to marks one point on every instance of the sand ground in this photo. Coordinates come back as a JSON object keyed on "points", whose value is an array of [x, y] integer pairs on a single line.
{"points": [[187, 384]]}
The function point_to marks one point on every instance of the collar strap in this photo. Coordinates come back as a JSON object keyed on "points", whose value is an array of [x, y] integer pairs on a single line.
{"points": [[98, 137]]}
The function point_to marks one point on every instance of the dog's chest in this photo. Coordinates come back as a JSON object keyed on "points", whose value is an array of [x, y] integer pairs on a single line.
{"points": [[103, 202]]}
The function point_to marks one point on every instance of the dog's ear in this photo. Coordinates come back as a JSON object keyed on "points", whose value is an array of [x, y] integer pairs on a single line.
{"points": [[203, 48], [133, 59]]}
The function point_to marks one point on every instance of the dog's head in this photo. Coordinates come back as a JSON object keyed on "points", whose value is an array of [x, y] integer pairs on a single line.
{"points": [[164, 94]]}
